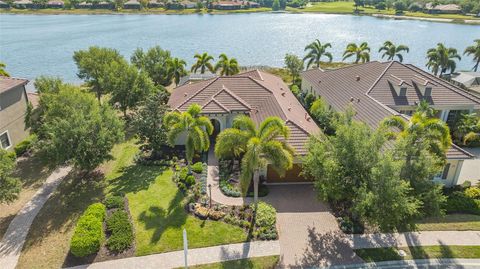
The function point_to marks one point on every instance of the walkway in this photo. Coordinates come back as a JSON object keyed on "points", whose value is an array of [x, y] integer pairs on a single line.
{"points": [[214, 180], [414, 264], [195, 256], [14, 238]]}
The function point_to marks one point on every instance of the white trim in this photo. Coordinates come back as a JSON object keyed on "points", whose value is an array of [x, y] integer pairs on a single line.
{"points": [[9, 140]]}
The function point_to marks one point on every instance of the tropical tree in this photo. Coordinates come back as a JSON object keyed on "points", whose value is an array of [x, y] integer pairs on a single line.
{"points": [[392, 51], [316, 50], [474, 50], [294, 65], [361, 53], [442, 59], [467, 129], [203, 63], [196, 127], [93, 67], [9, 186], [155, 62], [226, 66], [177, 69], [258, 147], [3, 72]]}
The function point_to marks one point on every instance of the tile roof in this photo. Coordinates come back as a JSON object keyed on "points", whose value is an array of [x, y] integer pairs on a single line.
{"points": [[369, 88], [8, 83], [255, 93]]}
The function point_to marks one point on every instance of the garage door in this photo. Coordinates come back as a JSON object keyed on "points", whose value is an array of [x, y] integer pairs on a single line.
{"points": [[292, 175]]}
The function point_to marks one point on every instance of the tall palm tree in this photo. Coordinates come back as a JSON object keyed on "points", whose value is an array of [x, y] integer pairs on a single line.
{"points": [[315, 51], [3, 72], [391, 51], [361, 53], [227, 67], [176, 67], [475, 51], [203, 63], [258, 146], [197, 129], [442, 59]]}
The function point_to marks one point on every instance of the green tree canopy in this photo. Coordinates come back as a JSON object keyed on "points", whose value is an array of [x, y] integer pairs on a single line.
{"points": [[227, 66], [76, 129], [3, 72], [361, 53], [276, 5], [391, 51], [177, 69], [9, 186], [294, 65], [316, 50], [324, 116], [155, 62], [196, 127], [93, 67], [258, 147], [474, 51], [203, 63], [442, 59]]}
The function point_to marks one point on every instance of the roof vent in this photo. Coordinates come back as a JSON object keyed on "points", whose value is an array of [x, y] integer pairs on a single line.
{"points": [[289, 109], [283, 93], [185, 95], [357, 78], [319, 81], [352, 99], [358, 100]]}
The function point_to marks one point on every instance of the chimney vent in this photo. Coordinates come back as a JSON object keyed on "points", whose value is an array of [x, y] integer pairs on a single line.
{"points": [[352, 99], [185, 94], [283, 93], [289, 109], [357, 78]]}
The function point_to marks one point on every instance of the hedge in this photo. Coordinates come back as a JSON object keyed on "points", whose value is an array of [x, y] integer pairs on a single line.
{"points": [[265, 215], [89, 235], [197, 167], [458, 202], [121, 231], [114, 202], [25, 145]]}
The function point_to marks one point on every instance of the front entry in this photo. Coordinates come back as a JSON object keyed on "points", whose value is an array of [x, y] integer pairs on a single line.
{"points": [[291, 176], [216, 129]]}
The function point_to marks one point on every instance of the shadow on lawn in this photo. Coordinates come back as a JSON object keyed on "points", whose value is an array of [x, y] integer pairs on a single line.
{"points": [[135, 178], [32, 171], [159, 219]]}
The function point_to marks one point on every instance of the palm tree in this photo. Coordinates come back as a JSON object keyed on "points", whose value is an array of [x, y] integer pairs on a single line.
{"points": [[176, 67], [475, 51], [391, 51], [203, 63], [361, 53], [442, 59], [197, 129], [315, 51], [258, 146], [3, 72], [227, 67]]}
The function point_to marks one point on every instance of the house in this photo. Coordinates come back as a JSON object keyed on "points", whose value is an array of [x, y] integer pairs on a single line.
{"points": [[188, 4], [13, 107], [252, 4], [466, 80], [155, 4], [132, 4], [84, 5], [103, 5], [23, 4], [55, 4], [4, 5], [443, 9], [378, 90], [258, 95], [226, 5], [192, 78]]}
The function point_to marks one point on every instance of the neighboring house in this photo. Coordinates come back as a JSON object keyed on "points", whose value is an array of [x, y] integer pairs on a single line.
{"points": [[13, 107], [192, 78], [188, 4], [132, 4], [84, 5], [55, 4], [258, 95], [4, 5], [155, 4], [22, 4], [227, 5], [467, 80], [103, 5], [443, 9], [379, 90]]}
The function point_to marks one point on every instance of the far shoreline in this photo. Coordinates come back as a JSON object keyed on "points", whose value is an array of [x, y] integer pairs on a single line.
{"points": [[472, 21]]}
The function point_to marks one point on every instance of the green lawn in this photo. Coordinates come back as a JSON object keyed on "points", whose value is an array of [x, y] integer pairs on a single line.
{"points": [[427, 252], [452, 222], [267, 262], [159, 218]]}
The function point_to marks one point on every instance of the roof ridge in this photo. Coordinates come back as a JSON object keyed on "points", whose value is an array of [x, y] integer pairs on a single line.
{"points": [[379, 77], [236, 97], [197, 92]]}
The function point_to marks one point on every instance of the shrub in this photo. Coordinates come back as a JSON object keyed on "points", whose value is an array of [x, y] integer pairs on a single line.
{"points": [[267, 233], [88, 235], [182, 187], [265, 215], [380, 6], [201, 212], [121, 236], [25, 145], [215, 215], [459, 202], [183, 173], [114, 202], [189, 180], [197, 167], [473, 192]]}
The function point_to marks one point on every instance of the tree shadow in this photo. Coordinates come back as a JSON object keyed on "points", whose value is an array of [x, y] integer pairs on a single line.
{"points": [[135, 178], [32, 171], [326, 249], [160, 219]]}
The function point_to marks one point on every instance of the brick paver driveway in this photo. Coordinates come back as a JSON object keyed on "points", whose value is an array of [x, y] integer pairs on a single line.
{"points": [[308, 232]]}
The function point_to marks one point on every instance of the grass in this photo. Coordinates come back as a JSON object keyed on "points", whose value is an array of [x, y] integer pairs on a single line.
{"points": [[452, 222], [32, 172], [426, 252], [159, 218], [267, 262]]}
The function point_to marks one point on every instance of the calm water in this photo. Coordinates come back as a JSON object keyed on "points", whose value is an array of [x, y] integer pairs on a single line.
{"points": [[33, 45]]}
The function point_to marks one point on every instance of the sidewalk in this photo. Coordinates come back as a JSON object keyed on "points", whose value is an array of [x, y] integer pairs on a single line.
{"points": [[195, 256], [213, 179], [413, 264], [14, 238], [427, 238]]}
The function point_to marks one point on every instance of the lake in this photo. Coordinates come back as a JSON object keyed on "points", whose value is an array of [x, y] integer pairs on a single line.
{"points": [[33, 45]]}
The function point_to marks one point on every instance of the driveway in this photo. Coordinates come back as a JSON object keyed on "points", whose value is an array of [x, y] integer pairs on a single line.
{"points": [[308, 232]]}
